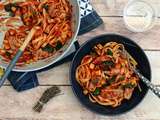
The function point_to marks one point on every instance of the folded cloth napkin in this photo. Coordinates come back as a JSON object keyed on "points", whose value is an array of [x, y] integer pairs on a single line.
{"points": [[89, 20]]}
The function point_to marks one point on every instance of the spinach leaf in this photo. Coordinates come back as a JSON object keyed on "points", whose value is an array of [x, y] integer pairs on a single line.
{"points": [[48, 48], [46, 7], [105, 85], [121, 78], [96, 92], [128, 85], [109, 52], [111, 80], [34, 13], [8, 53], [8, 7], [108, 63], [59, 45]]}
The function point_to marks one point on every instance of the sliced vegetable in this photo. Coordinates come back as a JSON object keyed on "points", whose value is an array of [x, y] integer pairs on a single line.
{"points": [[45, 6], [109, 52], [48, 48], [112, 79], [96, 92], [108, 63], [59, 45], [8, 54], [10, 6], [128, 85], [121, 78], [51, 49], [105, 85], [34, 13]]}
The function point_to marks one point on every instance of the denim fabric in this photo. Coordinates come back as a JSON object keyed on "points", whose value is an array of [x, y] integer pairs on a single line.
{"points": [[89, 22]]}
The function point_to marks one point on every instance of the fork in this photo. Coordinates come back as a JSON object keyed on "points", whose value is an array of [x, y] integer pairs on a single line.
{"points": [[151, 86]]}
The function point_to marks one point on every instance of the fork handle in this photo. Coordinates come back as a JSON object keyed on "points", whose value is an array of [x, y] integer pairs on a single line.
{"points": [[10, 67], [152, 87]]}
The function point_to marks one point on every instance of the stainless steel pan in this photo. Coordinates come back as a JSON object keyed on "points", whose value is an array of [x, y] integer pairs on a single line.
{"points": [[60, 54]]}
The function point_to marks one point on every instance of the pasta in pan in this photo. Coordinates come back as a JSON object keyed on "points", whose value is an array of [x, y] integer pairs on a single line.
{"points": [[53, 17], [105, 75]]}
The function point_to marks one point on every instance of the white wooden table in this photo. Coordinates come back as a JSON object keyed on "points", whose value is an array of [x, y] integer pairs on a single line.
{"points": [[18, 106]]}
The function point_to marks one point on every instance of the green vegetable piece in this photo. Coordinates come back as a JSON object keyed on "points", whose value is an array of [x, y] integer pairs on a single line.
{"points": [[59, 45], [8, 54], [8, 7], [109, 52], [34, 13], [128, 85], [45, 6], [48, 48], [11, 14], [105, 85], [122, 78], [112, 79], [108, 63], [96, 92]]}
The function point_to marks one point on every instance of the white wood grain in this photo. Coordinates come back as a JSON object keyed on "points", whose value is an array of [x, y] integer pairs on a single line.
{"points": [[102, 8], [16, 106], [147, 40]]}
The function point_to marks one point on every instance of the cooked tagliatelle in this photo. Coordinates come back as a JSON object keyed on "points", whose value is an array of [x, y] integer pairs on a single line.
{"points": [[53, 17], [105, 75]]}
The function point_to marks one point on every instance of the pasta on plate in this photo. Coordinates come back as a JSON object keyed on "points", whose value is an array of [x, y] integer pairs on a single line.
{"points": [[17, 17], [105, 75]]}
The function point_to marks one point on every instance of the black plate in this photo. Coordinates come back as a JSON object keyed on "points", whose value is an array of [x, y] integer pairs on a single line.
{"points": [[143, 66]]}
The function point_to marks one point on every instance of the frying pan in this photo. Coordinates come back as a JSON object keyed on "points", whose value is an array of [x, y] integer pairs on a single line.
{"points": [[59, 54]]}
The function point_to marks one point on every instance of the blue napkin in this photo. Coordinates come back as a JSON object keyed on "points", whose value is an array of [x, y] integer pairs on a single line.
{"points": [[89, 20]]}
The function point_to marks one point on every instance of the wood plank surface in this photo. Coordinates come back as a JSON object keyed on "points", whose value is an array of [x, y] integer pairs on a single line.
{"points": [[103, 9], [16, 106], [147, 40]]}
